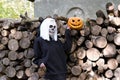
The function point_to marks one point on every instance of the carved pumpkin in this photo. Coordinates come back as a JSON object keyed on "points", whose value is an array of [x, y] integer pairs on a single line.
{"points": [[75, 23]]}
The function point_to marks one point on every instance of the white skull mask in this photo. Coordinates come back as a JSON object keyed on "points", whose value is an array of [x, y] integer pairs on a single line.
{"points": [[52, 29]]}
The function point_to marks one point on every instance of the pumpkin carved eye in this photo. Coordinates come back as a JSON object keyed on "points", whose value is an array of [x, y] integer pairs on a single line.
{"points": [[75, 23]]}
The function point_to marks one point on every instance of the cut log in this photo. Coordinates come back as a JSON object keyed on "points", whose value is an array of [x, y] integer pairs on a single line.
{"points": [[4, 33], [11, 36], [24, 43], [2, 47], [106, 22], [14, 63], [13, 44], [99, 41], [101, 14], [117, 39], [4, 40], [31, 36], [118, 51], [18, 35], [28, 72], [6, 24], [3, 53], [109, 50], [35, 76], [76, 70], [10, 71], [88, 44], [20, 55], [20, 74], [73, 57], [117, 72], [81, 53], [95, 30], [19, 67], [93, 54], [104, 32], [116, 78], [29, 53], [91, 22], [115, 21], [111, 29], [6, 61], [12, 55], [118, 58], [27, 63], [13, 31], [82, 76], [110, 37], [99, 20], [4, 77], [62, 31], [119, 10], [74, 46], [2, 67], [80, 62], [100, 69], [112, 64], [109, 74], [85, 31], [100, 62], [25, 34], [80, 41], [87, 66], [74, 32], [73, 78], [109, 7], [116, 13]]}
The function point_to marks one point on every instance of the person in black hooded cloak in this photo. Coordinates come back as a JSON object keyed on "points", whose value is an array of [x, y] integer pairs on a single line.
{"points": [[50, 52]]}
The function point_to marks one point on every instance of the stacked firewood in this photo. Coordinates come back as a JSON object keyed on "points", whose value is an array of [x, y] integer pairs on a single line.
{"points": [[95, 53], [16, 49]]}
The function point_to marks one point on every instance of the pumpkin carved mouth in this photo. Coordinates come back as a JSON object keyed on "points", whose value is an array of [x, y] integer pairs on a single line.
{"points": [[75, 23]]}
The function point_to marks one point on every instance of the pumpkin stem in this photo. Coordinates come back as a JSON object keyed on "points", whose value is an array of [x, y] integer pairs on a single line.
{"points": [[74, 15]]}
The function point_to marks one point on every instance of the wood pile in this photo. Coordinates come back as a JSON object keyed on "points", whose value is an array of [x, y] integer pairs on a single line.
{"points": [[95, 52]]}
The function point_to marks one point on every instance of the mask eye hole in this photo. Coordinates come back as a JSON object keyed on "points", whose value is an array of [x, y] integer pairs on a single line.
{"points": [[51, 26], [54, 26]]}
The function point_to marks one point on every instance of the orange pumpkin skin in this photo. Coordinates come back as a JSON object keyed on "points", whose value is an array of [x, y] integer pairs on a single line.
{"points": [[75, 23]]}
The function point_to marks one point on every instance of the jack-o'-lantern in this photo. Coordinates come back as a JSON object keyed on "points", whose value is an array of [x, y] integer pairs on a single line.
{"points": [[75, 23]]}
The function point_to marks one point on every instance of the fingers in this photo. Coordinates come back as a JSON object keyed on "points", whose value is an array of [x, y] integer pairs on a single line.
{"points": [[43, 67]]}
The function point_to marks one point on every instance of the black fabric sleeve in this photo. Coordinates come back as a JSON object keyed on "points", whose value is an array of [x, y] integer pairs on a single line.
{"points": [[37, 52], [68, 42]]}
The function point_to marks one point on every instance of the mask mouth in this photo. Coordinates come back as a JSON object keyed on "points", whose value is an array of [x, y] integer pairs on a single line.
{"points": [[51, 31]]}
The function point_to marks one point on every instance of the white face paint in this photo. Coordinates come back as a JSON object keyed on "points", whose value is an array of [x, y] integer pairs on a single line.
{"points": [[52, 30]]}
